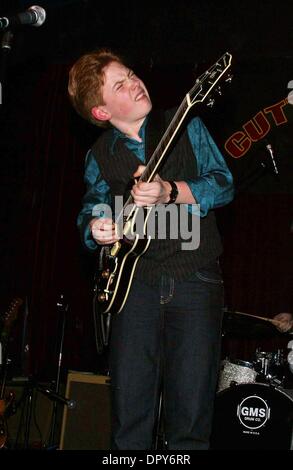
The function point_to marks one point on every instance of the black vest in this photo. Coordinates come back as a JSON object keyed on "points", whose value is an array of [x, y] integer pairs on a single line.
{"points": [[117, 166]]}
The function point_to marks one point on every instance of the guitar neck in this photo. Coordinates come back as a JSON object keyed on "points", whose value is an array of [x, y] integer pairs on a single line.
{"points": [[163, 146], [165, 142]]}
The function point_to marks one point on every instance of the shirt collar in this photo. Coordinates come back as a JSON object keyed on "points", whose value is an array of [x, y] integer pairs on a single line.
{"points": [[117, 134]]}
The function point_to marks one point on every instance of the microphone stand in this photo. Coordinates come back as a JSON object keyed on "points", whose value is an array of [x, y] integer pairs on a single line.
{"points": [[267, 166], [55, 395], [47, 391], [33, 385]]}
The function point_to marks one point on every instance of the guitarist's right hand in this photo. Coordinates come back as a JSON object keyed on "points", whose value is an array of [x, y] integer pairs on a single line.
{"points": [[103, 231]]}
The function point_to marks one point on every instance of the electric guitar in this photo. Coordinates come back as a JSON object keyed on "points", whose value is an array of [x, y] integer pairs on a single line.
{"points": [[117, 263], [7, 322]]}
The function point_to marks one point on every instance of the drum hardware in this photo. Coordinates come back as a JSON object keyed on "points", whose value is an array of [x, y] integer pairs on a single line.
{"points": [[270, 366], [267, 367]]}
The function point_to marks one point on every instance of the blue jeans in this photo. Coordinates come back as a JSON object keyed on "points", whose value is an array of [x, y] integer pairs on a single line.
{"points": [[170, 332]]}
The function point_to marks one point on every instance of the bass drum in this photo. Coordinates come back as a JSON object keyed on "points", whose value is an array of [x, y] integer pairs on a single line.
{"points": [[253, 416]]}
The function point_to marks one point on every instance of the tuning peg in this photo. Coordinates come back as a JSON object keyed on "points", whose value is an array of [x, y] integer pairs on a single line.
{"points": [[229, 78], [210, 102]]}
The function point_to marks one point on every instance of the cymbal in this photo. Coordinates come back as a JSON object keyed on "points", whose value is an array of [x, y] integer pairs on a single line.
{"points": [[246, 325]]}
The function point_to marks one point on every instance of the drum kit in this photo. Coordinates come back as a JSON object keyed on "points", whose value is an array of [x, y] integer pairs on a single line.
{"points": [[253, 409]]}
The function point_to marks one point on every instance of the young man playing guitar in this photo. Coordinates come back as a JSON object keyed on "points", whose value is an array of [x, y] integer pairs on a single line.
{"points": [[166, 336]]}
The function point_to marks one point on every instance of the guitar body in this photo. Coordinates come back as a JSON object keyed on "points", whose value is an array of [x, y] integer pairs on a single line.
{"points": [[114, 280], [5, 412], [3, 424]]}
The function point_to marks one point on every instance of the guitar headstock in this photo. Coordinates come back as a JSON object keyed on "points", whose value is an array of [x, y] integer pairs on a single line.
{"points": [[11, 314], [210, 81]]}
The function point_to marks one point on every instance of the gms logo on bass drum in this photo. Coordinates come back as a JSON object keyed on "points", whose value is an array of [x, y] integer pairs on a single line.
{"points": [[253, 412]]}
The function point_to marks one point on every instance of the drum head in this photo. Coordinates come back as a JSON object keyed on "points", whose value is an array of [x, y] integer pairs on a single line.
{"points": [[252, 416]]}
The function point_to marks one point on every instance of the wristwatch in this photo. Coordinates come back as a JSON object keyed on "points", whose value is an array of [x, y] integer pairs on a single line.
{"points": [[173, 193]]}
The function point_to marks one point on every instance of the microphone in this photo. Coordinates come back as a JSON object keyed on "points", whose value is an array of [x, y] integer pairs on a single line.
{"points": [[71, 404], [270, 149], [34, 16]]}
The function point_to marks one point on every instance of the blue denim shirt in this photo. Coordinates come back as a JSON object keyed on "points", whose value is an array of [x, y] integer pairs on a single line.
{"points": [[212, 188]]}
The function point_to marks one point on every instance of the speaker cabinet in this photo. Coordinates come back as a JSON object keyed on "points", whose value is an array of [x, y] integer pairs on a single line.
{"points": [[86, 425]]}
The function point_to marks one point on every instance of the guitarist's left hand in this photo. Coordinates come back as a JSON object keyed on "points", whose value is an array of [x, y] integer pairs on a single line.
{"points": [[149, 194]]}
